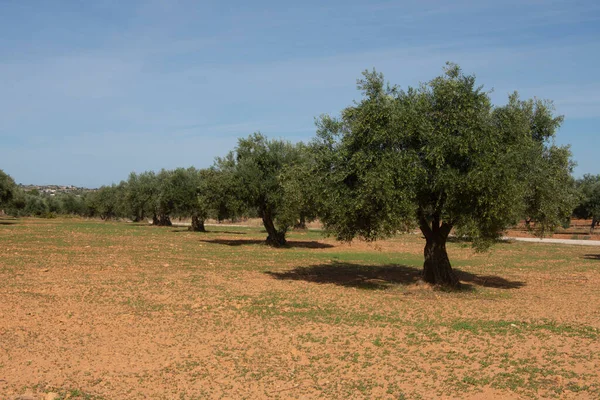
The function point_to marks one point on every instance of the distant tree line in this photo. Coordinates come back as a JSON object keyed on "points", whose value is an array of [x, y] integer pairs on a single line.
{"points": [[439, 157], [260, 178]]}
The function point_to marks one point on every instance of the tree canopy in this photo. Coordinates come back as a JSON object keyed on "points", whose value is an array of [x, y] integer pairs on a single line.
{"points": [[440, 157]]}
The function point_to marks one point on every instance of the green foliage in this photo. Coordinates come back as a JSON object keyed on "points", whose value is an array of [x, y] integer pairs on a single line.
{"points": [[35, 206], [186, 185], [139, 192], [106, 202], [589, 204], [300, 193], [551, 194], [218, 191], [34, 203], [163, 201], [7, 188]]}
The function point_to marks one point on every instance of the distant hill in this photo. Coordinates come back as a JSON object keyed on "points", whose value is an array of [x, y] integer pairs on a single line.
{"points": [[55, 189]]}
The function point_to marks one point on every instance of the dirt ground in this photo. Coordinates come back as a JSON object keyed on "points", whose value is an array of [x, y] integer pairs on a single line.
{"points": [[107, 310]]}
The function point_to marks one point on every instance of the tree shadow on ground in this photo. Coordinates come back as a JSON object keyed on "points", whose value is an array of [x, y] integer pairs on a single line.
{"points": [[5, 222], [289, 244], [382, 277], [592, 257], [209, 231]]}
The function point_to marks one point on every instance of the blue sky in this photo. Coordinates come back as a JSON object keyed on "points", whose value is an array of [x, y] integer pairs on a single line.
{"points": [[90, 91]]}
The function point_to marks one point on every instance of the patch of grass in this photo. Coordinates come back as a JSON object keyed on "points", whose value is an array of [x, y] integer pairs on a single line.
{"points": [[517, 327]]}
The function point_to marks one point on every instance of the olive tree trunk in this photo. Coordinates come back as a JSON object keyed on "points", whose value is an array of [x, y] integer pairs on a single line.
{"points": [[139, 217], [301, 225], [436, 268], [197, 224], [274, 237], [161, 220]]}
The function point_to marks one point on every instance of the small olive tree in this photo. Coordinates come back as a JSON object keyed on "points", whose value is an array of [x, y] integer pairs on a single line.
{"points": [[253, 175], [185, 190]]}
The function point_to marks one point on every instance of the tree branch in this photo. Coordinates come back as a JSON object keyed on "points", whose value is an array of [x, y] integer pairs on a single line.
{"points": [[424, 225], [435, 224], [445, 229]]}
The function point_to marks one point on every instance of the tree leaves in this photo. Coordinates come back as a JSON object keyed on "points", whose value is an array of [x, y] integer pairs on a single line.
{"points": [[442, 151]]}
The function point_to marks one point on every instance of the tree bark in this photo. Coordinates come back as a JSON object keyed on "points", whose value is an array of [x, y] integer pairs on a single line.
{"points": [[436, 267], [197, 224], [139, 217], [275, 238], [301, 225], [162, 220]]}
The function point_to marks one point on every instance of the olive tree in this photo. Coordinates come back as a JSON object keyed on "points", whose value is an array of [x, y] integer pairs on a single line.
{"points": [[253, 172], [7, 188], [218, 191], [185, 187], [551, 194], [300, 193], [589, 204], [140, 189], [106, 202], [439, 157], [163, 202]]}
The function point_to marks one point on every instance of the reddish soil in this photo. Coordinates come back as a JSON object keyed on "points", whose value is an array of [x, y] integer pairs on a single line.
{"points": [[118, 311]]}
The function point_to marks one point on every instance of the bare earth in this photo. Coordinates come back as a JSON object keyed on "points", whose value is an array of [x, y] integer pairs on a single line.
{"points": [[95, 310]]}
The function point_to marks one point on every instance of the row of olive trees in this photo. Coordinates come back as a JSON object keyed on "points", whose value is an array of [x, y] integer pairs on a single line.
{"points": [[157, 196], [439, 157], [260, 177], [249, 181]]}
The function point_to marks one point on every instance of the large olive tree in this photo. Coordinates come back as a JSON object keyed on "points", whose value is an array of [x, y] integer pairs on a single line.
{"points": [[440, 157]]}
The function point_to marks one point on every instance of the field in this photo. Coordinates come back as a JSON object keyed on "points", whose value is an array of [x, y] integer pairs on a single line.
{"points": [[107, 310]]}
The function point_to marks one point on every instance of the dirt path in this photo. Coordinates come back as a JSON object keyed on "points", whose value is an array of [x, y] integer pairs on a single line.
{"points": [[555, 241]]}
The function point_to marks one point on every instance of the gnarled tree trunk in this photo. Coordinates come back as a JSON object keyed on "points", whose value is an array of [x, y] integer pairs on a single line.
{"points": [[436, 268], [275, 238], [197, 224]]}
